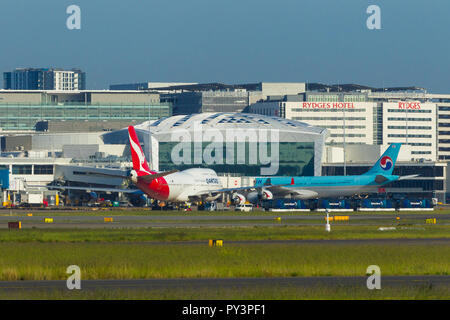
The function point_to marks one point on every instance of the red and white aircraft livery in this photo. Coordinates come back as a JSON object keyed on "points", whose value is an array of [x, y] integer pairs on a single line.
{"points": [[173, 186], [195, 184]]}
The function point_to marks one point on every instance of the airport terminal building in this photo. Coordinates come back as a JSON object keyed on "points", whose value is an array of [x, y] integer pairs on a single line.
{"points": [[311, 127], [230, 143], [77, 110]]}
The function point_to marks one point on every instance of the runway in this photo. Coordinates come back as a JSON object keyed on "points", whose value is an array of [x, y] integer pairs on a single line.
{"points": [[213, 220], [223, 283]]}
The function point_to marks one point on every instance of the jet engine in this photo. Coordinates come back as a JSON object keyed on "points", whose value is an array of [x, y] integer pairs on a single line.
{"points": [[134, 176], [238, 198], [256, 196], [266, 195]]}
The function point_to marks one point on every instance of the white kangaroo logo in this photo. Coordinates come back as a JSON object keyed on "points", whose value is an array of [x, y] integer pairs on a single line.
{"points": [[138, 151]]}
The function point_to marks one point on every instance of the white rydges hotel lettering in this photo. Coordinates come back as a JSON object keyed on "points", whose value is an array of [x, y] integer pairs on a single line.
{"points": [[235, 147], [328, 105]]}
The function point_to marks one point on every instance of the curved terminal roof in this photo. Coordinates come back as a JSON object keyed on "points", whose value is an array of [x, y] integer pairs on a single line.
{"points": [[227, 120]]}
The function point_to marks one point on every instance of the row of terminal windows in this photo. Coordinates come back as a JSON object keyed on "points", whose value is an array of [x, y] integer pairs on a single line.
{"points": [[346, 127], [320, 98], [28, 169], [409, 135], [423, 184], [420, 152], [335, 98], [349, 135], [417, 144], [409, 110], [425, 171], [329, 118], [444, 124], [411, 127], [355, 98], [410, 119]]}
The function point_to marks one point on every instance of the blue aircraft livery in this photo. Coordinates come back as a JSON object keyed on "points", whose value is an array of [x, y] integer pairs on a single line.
{"points": [[334, 186]]}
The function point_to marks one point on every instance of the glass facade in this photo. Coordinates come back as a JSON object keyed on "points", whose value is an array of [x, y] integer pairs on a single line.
{"points": [[24, 117], [43, 169], [404, 170], [295, 159], [22, 169]]}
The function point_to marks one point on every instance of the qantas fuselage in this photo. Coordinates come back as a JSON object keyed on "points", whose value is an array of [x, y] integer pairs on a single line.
{"points": [[188, 185]]}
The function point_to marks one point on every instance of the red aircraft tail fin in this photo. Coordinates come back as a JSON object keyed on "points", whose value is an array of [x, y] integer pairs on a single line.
{"points": [[140, 164]]}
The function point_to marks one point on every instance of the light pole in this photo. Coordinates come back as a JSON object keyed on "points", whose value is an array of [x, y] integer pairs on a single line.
{"points": [[345, 161], [327, 226], [406, 118]]}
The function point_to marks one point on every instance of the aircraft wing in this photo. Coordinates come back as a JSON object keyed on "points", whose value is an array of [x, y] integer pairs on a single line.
{"points": [[151, 177], [276, 188], [122, 175], [224, 190], [408, 177], [87, 189], [282, 191]]}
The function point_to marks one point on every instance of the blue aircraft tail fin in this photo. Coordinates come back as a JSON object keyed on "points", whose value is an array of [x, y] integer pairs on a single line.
{"points": [[385, 165]]}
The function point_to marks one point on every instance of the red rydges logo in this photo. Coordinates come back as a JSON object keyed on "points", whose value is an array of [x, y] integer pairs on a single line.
{"points": [[409, 105]]}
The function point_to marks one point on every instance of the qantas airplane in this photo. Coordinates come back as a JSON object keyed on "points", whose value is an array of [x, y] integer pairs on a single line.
{"points": [[195, 184], [328, 186]]}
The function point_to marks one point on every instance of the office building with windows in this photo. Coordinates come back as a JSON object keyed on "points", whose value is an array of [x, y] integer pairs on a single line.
{"points": [[77, 111], [352, 118], [44, 79]]}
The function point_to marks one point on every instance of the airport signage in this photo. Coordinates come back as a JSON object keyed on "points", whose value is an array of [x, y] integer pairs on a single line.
{"points": [[328, 105], [409, 105]]}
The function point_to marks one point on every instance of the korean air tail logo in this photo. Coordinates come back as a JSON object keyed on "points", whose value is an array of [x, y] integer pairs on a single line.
{"points": [[386, 163]]}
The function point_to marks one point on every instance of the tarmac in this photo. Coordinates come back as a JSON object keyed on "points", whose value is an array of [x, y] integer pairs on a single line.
{"points": [[217, 220], [223, 283]]}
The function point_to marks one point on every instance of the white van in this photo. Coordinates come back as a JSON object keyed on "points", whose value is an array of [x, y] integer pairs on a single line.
{"points": [[244, 207]]}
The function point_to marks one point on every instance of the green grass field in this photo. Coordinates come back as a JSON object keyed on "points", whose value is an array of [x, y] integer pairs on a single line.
{"points": [[48, 261], [260, 293], [339, 231], [143, 253]]}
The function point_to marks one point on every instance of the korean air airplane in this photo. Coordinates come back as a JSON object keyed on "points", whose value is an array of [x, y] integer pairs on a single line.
{"points": [[332, 186]]}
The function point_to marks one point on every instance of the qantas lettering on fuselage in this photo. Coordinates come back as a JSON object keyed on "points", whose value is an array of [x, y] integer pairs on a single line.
{"points": [[212, 181]]}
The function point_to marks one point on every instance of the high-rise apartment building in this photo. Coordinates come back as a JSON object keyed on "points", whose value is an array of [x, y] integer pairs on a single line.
{"points": [[44, 79]]}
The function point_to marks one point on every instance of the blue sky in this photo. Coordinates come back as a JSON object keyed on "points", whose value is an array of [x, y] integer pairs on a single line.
{"points": [[233, 41]]}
